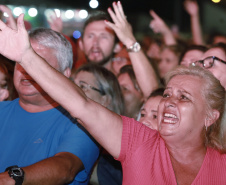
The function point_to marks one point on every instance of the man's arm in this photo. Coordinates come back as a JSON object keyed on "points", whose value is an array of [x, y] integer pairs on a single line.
{"points": [[104, 125], [145, 74], [59, 169]]}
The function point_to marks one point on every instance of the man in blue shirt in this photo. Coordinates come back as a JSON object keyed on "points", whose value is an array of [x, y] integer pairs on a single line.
{"points": [[37, 135]]}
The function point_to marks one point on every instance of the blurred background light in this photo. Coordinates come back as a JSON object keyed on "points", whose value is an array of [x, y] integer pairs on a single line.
{"points": [[5, 14], [17, 11], [69, 14], [48, 13], [32, 12], [76, 34], [83, 14], [57, 11], [93, 3]]}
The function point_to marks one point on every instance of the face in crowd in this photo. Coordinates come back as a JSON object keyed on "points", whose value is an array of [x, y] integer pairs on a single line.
{"points": [[169, 60], [26, 87], [154, 51], [181, 101], [133, 97], [98, 42], [149, 112], [214, 60], [191, 56], [88, 83]]}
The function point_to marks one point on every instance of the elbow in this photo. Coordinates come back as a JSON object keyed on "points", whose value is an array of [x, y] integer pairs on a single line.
{"points": [[70, 166], [71, 174]]}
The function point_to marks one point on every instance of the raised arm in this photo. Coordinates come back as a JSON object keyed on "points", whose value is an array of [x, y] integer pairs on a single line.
{"points": [[159, 26], [192, 9], [104, 125], [144, 72]]}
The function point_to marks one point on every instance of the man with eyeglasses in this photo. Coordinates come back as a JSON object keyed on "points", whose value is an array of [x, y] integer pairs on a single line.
{"points": [[214, 60]]}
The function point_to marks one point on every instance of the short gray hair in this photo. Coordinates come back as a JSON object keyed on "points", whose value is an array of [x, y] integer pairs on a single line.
{"points": [[56, 41]]}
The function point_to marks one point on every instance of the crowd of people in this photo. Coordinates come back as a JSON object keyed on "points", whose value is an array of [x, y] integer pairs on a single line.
{"points": [[122, 112]]}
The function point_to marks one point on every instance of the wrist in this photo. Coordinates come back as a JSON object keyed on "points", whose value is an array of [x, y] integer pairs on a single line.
{"points": [[167, 33], [195, 16], [135, 47], [16, 173], [27, 56], [130, 42]]}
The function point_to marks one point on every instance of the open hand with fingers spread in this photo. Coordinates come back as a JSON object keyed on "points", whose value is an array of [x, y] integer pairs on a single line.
{"points": [[14, 43], [120, 25]]}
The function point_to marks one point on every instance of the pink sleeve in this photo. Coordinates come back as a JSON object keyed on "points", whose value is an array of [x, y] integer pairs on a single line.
{"points": [[133, 135]]}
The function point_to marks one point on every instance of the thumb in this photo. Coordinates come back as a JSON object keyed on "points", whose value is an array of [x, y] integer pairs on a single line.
{"points": [[20, 22]]}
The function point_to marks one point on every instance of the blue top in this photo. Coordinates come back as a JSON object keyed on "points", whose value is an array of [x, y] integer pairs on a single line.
{"points": [[27, 138]]}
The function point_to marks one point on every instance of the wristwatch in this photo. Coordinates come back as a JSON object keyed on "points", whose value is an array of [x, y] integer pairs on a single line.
{"points": [[134, 48], [16, 173]]}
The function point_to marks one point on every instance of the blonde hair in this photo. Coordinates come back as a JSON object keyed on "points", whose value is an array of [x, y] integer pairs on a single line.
{"points": [[214, 94]]}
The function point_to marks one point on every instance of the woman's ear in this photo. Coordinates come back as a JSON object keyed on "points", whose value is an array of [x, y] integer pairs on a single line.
{"points": [[67, 72], [214, 117]]}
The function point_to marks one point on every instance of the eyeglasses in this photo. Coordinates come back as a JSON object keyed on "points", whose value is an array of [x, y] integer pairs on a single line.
{"points": [[84, 86], [207, 62]]}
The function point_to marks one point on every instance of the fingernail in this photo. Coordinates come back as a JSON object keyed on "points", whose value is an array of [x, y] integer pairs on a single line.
{"points": [[114, 3], [119, 2]]}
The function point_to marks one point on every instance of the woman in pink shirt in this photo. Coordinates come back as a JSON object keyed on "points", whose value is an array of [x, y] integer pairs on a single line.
{"points": [[187, 148]]}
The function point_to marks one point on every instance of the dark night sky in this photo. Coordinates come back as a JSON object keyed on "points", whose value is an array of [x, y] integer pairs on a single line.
{"points": [[172, 11]]}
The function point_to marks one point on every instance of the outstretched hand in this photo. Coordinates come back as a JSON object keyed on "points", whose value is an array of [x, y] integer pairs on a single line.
{"points": [[121, 26], [191, 7], [14, 43]]}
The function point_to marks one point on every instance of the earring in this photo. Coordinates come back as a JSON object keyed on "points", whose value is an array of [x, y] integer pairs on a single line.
{"points": [[206, 126]]}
